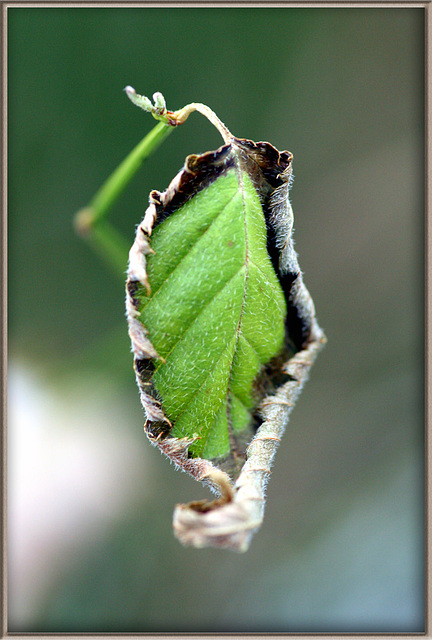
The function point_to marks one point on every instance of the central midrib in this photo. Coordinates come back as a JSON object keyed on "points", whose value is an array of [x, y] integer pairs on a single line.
{"points": [[246, 265], [196, 241], [233, 446]]}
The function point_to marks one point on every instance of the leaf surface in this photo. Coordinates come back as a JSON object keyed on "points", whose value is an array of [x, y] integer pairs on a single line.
{"points": [[222, 326], [215, 314]]}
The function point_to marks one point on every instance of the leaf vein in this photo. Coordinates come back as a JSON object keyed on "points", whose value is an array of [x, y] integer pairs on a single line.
{"points": [[197, 240], [265, 275], [201, 311], [251, 345], [197, 392]]}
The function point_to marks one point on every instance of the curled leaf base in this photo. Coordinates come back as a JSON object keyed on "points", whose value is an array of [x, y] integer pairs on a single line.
{"points": [[231, 524]]}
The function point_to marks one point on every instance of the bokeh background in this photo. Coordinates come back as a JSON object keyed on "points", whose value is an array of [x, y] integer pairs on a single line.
{"points": [[90, 502]]}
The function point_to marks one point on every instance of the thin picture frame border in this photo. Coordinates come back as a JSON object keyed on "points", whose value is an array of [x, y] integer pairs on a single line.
{"points": [[426, 6]]}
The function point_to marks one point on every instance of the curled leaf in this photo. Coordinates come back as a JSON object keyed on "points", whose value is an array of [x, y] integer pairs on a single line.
{"points": [[223, 330]]}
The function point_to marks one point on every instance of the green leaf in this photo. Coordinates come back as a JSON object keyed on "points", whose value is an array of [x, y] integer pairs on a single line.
{"points": [[206, 304], [215, 314], [223, 329], [222, 326]]}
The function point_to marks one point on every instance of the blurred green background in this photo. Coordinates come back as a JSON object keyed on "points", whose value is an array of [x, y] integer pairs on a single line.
{"points": [[90, 502]]}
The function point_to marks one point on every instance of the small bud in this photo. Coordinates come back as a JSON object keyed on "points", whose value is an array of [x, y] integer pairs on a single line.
{"points": [[139, 101], [160, 104]]}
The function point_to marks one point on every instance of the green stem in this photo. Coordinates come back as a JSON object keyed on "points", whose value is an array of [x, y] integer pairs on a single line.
{"points": [[114, 186], [90, 222], [117, 182], [110, 245]]}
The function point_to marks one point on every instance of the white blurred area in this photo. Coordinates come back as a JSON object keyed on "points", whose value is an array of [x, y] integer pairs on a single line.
{"points": [[73, 468], [344, 556]]}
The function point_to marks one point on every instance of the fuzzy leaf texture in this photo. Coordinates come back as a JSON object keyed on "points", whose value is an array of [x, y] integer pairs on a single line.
{"points": [[218, 314], [215, 314]]}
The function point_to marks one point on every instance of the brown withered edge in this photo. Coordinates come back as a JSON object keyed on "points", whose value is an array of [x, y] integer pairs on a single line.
{"points": [[270, 171], [201, 170]]}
